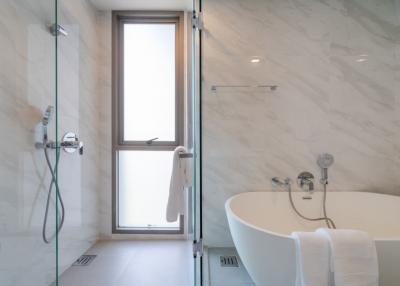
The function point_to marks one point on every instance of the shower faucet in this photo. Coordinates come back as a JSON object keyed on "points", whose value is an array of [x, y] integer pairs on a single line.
{"points": [[70, 141]]}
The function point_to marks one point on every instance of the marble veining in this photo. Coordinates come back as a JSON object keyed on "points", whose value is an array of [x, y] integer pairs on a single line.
{"points": [[337, 67]]}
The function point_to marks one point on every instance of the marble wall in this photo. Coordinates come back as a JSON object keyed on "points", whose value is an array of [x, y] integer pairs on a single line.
{"points": [[337, 66], [81, 94], [27, 87]]}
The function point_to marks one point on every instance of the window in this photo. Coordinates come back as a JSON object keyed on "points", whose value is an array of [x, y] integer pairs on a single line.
{"points": [[148, 118]]}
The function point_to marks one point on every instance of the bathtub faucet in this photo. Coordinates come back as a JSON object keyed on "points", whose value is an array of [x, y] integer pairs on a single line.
{"points": [[306, 181], [277, 182]]}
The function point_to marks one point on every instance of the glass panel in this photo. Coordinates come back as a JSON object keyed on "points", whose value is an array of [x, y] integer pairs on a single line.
{"points": [[82, 105], [27, 88], [149, 82], [337, 72], [196, 195], [143, 179]]}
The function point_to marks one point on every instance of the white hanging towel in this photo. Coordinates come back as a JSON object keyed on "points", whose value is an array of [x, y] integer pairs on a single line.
{"points": [[181, 178], [312, 259], [353, 257]]}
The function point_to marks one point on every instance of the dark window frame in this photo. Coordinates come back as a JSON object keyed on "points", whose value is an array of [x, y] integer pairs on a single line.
{"points": [[118, 143]]}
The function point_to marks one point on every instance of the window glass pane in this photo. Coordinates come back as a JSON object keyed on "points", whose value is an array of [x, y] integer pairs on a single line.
{"points": [[149, 82], [143, 180]]}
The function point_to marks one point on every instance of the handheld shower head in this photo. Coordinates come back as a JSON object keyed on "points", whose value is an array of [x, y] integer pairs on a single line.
{"points": [[47, 115], [324, 161], [45, 120]]}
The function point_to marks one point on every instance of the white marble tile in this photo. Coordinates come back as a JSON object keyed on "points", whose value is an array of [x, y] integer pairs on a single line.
{"points": [[337, 67], [168, 263]]}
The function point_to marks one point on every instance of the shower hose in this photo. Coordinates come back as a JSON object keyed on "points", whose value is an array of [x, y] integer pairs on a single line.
{"points": [[329, 222], [61, 215]]}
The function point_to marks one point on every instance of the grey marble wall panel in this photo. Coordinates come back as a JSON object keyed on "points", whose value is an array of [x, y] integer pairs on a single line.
{"points": [[337, 67]]}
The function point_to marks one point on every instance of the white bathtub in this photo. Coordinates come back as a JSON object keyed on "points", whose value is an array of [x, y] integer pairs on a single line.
{"points": [[261, 224]]}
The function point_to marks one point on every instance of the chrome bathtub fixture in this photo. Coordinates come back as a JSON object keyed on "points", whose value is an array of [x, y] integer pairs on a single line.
{"points": [[277, 182], [306, 181], [57, 30], [324, 161]]}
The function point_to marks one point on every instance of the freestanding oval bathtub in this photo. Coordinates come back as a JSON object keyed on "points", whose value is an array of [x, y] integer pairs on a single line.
{"points": [[261, 224]]}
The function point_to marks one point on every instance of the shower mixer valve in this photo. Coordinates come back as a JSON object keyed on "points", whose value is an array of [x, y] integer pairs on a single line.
{"points": [[70, 143], [306, 181]]}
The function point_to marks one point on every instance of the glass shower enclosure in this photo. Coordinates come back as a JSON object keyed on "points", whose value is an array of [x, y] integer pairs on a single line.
{"points": [[29, 212], [54, 86]]}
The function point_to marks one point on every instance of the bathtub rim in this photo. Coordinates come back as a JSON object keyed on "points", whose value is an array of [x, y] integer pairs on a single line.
{"points": [[229, 210]]}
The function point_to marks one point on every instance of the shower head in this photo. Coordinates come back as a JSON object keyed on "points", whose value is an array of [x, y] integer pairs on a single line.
{"points": [[324, 161], [47, 115]]}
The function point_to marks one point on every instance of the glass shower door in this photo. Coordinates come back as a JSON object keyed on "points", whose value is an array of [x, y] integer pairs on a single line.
{"points": [[28, 214], [197, 147]]}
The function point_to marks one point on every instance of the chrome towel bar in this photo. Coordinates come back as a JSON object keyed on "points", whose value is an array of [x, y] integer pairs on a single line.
{"points": [[183, 155]]}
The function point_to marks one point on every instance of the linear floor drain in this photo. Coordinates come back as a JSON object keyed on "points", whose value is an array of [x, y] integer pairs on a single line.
{"points": [[229, 261], [84, 260]]}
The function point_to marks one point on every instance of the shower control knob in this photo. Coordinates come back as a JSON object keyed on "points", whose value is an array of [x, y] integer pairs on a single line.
{"points": [[71, 143], [306, 181]]}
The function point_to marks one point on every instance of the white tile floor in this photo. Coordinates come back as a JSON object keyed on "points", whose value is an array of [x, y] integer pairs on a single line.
{"points": [[226, 276], [134, 263]]}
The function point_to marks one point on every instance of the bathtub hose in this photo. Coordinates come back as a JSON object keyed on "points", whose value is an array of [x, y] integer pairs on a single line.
{"points": [[329, 221]]}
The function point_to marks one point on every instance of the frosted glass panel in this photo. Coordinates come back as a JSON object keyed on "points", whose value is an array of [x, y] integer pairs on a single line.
{"points": [[144, 178], [149, 82]]}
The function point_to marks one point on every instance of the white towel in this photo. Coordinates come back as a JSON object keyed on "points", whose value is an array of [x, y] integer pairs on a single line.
{"points": [[180, 178], [353, 257], [312, 259]]}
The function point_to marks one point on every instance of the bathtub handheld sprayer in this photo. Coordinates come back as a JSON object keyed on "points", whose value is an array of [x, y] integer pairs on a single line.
{"points": [[324, 161]]}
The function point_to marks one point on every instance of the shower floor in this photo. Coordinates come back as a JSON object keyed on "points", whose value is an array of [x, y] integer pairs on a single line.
{"points": [[141, 263], [224, 276]]}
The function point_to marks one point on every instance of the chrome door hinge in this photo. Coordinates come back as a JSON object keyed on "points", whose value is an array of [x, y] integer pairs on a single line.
{"points": [[198, 248], [197, 21]]}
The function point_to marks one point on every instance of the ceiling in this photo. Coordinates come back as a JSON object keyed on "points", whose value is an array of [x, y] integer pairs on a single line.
{"points": [[143, 4]]}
